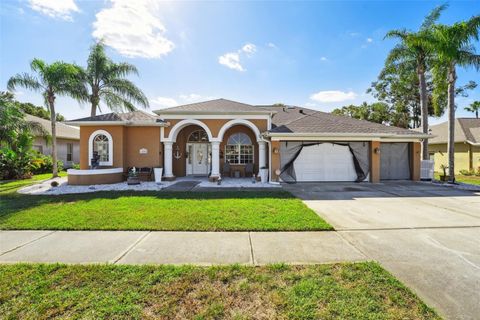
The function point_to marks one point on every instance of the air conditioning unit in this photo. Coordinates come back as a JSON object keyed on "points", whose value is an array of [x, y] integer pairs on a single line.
{"points": [[426, 169]]}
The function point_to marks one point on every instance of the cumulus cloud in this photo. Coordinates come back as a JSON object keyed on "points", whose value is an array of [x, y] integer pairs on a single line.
{"points": [[59, 9], [333, 96], [249, 48], [369, 40], [164, 102], [232, 59], [133, 28]]}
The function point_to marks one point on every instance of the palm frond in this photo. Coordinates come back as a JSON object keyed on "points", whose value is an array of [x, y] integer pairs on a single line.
{"points": [[128, 91], [123, 69], [117, 103], [38, 130], [399, 33], [24, 80], [433, 16]]}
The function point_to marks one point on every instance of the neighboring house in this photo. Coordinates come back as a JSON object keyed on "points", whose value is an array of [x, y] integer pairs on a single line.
{"points": [[68, 141], [222, 138], [467, 144]]}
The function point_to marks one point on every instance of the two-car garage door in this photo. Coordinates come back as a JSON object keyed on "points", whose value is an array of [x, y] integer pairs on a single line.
{"points": [[324, 161]]}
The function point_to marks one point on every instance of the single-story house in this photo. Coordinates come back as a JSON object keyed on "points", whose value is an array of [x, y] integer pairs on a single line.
{"points": [[467, 144], [68, 141], [223, 138]]}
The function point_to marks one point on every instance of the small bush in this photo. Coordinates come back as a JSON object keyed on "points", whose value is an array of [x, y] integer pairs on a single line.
{"points": [[76, 166], [54, 184], [467, 172], [44, 164], [15, 165]]}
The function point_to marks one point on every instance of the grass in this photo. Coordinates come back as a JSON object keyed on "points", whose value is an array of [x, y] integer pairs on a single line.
{"points": [[461, 178], [339, 291], [130, 210]]}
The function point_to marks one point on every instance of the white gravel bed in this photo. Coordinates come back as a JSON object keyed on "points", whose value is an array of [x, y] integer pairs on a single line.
{"points": [[45, 187]]}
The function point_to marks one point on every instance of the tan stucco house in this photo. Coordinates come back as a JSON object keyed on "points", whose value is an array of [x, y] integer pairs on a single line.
{"points": [[223, 138], [467, 144], [68, 141]]}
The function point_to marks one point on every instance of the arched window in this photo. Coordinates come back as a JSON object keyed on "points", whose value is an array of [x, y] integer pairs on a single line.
{"points": [[239, 149], [198, 136], [100, 146], [101, 142]]}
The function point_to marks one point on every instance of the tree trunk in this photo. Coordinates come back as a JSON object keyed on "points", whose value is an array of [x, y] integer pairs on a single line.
{"points": [[423, 111], [476, 114], [94, 100], [451, 123], [51, 102]]}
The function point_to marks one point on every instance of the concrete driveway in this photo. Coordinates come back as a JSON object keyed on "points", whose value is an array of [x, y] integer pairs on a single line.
{"points": [[428, 236]]}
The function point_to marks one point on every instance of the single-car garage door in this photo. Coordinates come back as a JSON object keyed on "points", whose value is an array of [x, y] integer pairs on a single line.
{"points": [[394, 161], [325, 162]]}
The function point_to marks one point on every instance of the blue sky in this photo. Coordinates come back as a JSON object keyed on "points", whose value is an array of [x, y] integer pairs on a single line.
{"points": [[316, 54]]}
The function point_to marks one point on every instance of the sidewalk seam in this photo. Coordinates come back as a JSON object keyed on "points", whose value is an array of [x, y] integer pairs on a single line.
{"points": [[352, 245], [129, 249], [252, 255], [27, 243]]}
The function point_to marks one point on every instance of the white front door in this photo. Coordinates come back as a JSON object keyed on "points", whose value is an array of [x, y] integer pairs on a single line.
{"points": [[197, 164]]}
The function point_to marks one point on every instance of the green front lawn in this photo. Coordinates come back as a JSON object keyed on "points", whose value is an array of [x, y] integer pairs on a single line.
{"points": [[339, 291], [130, 210], [461, 178], [10, 186]]}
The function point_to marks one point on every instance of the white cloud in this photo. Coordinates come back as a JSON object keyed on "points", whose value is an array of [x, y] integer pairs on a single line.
{"points": [[271, 45], [369, 40], [231, 60], [323, 59], [133, 28], [333, 96], [164, 102], [61, 9], [249, 48]]}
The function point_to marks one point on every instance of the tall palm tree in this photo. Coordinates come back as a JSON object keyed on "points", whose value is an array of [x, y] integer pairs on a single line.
{"points": [[52, 80], [453, 47], [413, 50], [106, 82], [474, 107]]}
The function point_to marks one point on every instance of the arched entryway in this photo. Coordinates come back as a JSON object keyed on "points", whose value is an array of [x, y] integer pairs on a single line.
{"points": [[239, 152]]}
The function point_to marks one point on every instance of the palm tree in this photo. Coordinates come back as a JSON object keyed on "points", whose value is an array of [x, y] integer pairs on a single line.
{"points": [[453, 47], [107, 83], [413, 50], [474, 107], [52, 80]]}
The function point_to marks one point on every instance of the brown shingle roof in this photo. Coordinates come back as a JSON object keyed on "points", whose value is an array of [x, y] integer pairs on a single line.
{"points": [[302, 120], [137, 115], [212, 106], [466, 129], [63, 131]]}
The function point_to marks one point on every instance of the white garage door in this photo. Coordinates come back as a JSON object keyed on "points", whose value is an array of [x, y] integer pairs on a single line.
{"points": [[325, 162]]}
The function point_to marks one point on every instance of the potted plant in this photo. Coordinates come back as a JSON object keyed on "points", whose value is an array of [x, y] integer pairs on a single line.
{"points": [[264, 174], [133, 177], [444, 176]]}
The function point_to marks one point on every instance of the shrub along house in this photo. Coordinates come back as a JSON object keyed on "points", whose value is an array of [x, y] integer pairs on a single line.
{"points": [[223, 138]]}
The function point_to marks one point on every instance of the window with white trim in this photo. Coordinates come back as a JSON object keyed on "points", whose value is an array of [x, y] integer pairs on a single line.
{"points": [[239, 149], [100, 145]]}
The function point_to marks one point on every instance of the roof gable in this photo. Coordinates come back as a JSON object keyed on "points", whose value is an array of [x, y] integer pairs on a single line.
{"points": [[466, 130], [217, 106], [63, 130]]}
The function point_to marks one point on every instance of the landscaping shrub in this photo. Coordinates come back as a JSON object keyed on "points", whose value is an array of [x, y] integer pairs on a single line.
{"points": [[467, 172], [44, 164], [15, 165]]}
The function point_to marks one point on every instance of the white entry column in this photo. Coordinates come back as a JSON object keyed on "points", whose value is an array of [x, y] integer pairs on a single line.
{"points": [[215, 159], [167, 160], [262, 154]]}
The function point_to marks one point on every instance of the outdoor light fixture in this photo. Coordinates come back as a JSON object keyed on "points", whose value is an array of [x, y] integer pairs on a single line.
{"points": [[275, 150], [376, 150]]}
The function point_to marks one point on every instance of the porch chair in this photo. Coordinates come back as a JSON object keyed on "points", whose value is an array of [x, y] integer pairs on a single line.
{"points": [[227, 170], [249, 169]]}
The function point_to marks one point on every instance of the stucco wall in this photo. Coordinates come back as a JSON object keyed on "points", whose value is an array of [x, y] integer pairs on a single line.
{"points": [[216, 124], [118, 136], [143, 138], [466, 156], [61, 150]]}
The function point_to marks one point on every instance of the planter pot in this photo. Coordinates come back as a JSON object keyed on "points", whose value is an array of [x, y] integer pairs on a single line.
{"points": [[158, 174], [264, 175], [443, 178], [133, 180]]}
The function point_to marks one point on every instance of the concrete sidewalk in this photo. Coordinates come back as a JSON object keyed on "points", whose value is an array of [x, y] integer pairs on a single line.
{"points": [[200, 248]]}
